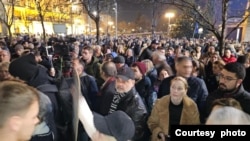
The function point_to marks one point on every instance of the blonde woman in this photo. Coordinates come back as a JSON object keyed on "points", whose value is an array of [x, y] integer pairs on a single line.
{"points": [[173, 109], [121, 50], [151, 71]]}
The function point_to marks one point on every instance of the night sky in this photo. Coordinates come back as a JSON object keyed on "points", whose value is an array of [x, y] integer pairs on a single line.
{"points": [[128, 10]]}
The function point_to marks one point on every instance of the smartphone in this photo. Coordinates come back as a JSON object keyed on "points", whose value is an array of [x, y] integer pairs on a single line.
{"points": [[49, 50]]}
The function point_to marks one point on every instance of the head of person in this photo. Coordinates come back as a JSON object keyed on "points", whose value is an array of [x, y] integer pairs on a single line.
{"points": [[2, 45], [198, 49], [4, 71], [149, 65], [120, 49], [119, 61], [125, 81], [178, 89], [193, 54], [184, 66], [87, 53], [38, 56], [154, 44], [186, 53], [170, 51], [78, 65], [178, 49], [218, 103], [158, 57], [163, 74], [218, 66], [117, 126], [108, 69], [214, 57], [162, 50], [231, 77], [19, 107], [26, 69], [5, 56], [109, 56], [31, 46], [139, 69], [228, 115], [227, 53], [198, 68], [19, 49], [211, 49], [244, 59], [129, 52], [98, 50], [25, 44]]}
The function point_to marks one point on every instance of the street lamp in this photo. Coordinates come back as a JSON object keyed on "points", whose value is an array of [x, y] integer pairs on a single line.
{"points": [[200, 31], [115, 9], [110, 23], [169, 16]]}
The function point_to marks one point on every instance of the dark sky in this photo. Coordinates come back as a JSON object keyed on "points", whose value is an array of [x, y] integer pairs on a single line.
{"points": [[129, 10]]}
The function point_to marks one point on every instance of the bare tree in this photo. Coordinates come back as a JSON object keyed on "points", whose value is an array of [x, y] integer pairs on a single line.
{"points": [[212, 15], [94, 8], [7, 17], [142, 22], [42, 7]]}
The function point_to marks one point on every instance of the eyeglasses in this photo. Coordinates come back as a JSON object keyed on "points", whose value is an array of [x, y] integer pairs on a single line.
{"points": [[226, 78]]}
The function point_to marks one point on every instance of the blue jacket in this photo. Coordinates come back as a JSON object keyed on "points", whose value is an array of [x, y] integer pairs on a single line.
{"points": [[89, 90]]}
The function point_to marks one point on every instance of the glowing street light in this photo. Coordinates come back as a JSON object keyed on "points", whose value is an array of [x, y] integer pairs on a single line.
{"points": [[169, 16], [200, 31], [94, 13], [110, 23]]}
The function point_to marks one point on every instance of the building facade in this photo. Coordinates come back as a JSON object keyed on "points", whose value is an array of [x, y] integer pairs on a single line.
{"points": [[27, 20]]}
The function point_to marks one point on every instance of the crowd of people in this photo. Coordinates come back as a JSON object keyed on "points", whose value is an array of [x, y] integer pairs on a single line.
{"points": [[133, 88]]}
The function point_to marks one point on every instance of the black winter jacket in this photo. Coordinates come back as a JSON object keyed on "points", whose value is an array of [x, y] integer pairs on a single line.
{"points": [[132, 105], [241, 95]]}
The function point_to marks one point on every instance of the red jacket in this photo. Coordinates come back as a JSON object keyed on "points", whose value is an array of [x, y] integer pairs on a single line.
{"points": [[231, 59]]}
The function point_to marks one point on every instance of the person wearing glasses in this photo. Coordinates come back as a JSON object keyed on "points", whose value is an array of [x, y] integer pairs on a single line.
{"points": [[230, 86]]}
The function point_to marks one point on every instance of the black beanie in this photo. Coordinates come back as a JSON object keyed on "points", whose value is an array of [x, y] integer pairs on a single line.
{"points": [[24, 67]]}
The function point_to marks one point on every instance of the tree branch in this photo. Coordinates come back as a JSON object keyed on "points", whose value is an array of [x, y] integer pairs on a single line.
{"points": [[242, 21]]}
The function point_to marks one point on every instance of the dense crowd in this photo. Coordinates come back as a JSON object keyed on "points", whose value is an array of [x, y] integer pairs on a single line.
{"points": [[152, 82]]}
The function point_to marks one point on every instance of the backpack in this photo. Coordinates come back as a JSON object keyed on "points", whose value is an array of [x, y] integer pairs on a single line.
{"points": [[63, 115]]}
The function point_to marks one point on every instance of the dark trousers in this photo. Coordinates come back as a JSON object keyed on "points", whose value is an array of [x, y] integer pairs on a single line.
{"points": [[82, 135]]}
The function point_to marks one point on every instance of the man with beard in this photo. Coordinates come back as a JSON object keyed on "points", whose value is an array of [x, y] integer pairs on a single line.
{"points": [[122, 95], [230, 86]]}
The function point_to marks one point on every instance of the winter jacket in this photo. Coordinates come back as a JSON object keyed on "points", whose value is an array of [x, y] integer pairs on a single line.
{"points": [[241, 95], [159, 119], [132, 105], [197, 90]]}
